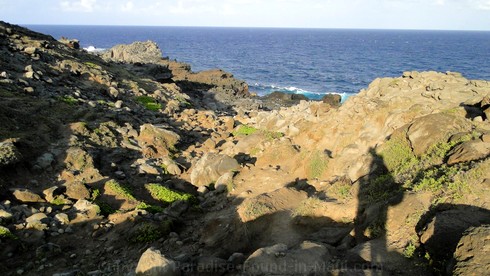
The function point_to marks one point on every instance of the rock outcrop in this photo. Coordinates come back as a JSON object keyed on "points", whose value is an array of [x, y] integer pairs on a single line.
{"points": [[136, 52]]}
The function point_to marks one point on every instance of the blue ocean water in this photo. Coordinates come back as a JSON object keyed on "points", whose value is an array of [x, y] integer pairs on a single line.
{"points": [[308, 61]]}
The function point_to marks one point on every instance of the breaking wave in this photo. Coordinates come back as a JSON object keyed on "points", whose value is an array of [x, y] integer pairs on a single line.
{"points": [[265, 89]]}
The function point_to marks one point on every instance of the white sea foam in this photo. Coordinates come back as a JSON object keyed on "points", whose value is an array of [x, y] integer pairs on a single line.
{"points": [[264, 89], [92, 49]]}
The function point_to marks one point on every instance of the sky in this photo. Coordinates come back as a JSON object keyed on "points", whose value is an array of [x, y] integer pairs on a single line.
{"points": [[369, 14]]}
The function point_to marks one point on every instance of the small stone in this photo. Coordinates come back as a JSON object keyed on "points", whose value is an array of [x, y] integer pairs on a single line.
{"points": [[29, 75], [4, 75], [29, 90], [23, 82], [486, 138], [25, 195], [42, 217], [478, 119], [179, 243], [5, 215], [62, 218], [118, 104], [237, 258], [73, 256], [113, 92], [202, 189], [20, 271], [152, 262], [46, 160], [30, 50], [61, 231], [120, 175]]}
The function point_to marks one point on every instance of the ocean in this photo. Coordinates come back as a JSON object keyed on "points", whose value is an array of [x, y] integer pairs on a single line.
{"points": [[305, 61]]}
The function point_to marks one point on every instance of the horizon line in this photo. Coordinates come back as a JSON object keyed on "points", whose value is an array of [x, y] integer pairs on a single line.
{"points": [[257, 27]]}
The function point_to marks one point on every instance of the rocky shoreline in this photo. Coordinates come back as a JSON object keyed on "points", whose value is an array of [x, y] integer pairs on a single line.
{"points": [[131, 164]]}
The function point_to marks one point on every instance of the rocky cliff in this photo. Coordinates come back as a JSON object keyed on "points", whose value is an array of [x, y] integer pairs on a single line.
{"points": [[132, 163]]}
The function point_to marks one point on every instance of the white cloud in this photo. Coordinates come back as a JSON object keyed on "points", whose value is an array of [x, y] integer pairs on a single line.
{"points": [[481, 4], [78, 6], [128, 6]]}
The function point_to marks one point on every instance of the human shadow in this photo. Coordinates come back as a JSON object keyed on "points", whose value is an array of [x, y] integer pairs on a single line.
{"points": [[377, 193]]}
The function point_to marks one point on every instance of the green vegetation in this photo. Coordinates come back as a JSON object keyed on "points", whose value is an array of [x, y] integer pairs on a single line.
{"points": [[95, 194], [166, 195], [255, 209], [317, 164], [381, 188], [92, 65], [105, 208], [272, 135], [148, 232], [6, 234], [409, 251], [150, 208], [120, 190], [377, 228], [425, 173], [149, 103], [342, 191], [307, 207], [244, 130], [58, 200], [68, 100], [397, 154]]}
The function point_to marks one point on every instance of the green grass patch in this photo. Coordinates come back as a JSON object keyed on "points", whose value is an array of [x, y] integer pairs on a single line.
{"points": [[409, 251], [167, 195], [149, 103], [68, 100], [244, 130], [381, 188], [58, 200], [317, 164], [397, 154], [92, 65], [148, 232], [105, 208], [6, 234], [120, 190], [150, 208], [255, 209], [307, 207]]}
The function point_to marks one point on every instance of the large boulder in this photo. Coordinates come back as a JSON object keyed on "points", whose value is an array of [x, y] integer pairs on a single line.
{"points": [[432, 129], [468, 151], [304, 259], [444, 230], [472, 256], [210, 167], [153, 263], [136, 52], [26, 195], [157, 141], [378, 255]]}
